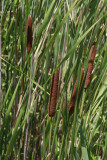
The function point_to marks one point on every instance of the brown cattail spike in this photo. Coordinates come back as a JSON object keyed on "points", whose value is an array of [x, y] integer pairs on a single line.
{"points": [[72, 103], [53, 94], [29, 34], [90, 65]]}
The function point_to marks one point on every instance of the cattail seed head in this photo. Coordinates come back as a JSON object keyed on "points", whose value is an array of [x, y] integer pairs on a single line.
{"points": [[53, 94], [72, 102], [29, 34], [90, 65]]}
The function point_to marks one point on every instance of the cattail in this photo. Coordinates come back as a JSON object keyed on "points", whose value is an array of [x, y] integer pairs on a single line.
{"points": [[90, 65], [72, 101], [100, 152], [29, 34], [72, 104], [53, 94]]}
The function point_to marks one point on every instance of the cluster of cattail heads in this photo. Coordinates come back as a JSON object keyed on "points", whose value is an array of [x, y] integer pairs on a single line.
{"points": [[29, 34], [90, 64], [72, 100], [53, 94], [55, 81], [88, 78]]}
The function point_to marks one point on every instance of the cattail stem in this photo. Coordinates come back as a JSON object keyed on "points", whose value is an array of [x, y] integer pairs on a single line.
{"points": [[29, 45], [60, 75], [50, 134], [83, 100], [15, 72], [72, 102], [0, 56]]}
